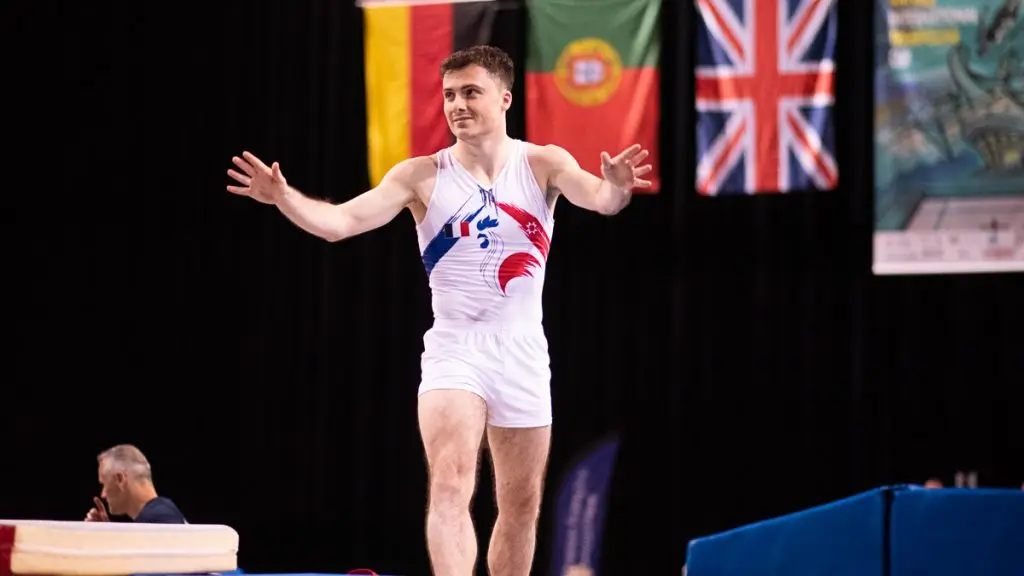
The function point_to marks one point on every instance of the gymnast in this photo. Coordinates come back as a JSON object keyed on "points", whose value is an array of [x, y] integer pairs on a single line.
{"points": [[484, 216]]}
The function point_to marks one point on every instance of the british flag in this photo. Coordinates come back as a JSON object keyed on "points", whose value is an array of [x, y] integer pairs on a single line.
{"points": [[765, 89]]}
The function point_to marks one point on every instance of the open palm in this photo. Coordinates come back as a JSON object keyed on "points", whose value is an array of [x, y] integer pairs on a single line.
{"points": [[624, 171], [259, 181]]}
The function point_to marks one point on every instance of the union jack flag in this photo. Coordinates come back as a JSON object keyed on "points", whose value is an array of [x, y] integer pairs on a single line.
{"points": [[765, 88]]}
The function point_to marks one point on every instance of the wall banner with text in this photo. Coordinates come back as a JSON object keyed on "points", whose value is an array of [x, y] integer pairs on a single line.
{"points": [[949, 136]]}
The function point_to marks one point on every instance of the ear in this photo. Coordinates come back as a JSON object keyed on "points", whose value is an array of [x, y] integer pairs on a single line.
{"points": [[506, 100]]}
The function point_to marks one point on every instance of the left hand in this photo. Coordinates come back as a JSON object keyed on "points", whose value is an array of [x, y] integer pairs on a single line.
{"points": [[624, 170], [99, 513]]}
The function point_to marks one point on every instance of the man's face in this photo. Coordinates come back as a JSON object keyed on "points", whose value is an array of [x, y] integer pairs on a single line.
{"points": [[474, 102], [114, 490]]}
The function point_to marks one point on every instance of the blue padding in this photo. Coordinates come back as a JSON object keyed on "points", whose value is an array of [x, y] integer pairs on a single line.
{"points": [[958, 532], [842, 538]]}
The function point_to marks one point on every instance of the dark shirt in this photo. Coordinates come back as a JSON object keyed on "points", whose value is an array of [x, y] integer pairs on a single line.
{"points": [[160, 510]]}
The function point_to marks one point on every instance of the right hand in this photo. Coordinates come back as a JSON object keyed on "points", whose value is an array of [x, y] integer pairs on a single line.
{"points": [[258, 181], [623, 171], [99, 513]]}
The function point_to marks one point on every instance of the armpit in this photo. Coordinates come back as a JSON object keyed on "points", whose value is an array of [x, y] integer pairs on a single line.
{"points": [[551, 194]]}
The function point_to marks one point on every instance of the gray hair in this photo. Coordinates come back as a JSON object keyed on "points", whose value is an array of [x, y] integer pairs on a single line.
{"points": [[128, 459]]}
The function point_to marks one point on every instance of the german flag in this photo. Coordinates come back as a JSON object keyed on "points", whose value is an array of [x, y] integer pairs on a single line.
{"points": [[405, 43]]}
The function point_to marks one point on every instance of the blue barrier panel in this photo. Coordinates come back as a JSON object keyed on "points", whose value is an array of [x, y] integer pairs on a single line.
{"points": [[957, 532], [842, 538]]}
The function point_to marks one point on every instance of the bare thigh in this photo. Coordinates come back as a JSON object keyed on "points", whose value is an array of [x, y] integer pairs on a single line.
{"points": [[452, 427], [520, 458]]}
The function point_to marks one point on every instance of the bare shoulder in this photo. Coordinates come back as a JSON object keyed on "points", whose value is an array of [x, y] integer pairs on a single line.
{"points": [[411, 172], [415, 176], [549, 156], [548, 159]]}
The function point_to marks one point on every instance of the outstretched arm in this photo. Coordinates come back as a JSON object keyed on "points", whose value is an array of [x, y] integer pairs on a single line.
{"points": [[332, 222], [367, 211], [607, 195]]}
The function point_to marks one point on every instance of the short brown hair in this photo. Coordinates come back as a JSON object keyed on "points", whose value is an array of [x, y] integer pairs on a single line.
{"points": [[492, 59]]}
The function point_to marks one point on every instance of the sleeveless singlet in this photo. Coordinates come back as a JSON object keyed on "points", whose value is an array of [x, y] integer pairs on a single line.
{"points": [[485, 248]]}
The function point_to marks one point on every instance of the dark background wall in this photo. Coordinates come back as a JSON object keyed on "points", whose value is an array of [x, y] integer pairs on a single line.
{"points": [[741, 346]]}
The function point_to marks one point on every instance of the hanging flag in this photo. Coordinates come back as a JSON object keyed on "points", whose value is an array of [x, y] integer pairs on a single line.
{"points": [[592, 80], [765, 82], [405, 43]]}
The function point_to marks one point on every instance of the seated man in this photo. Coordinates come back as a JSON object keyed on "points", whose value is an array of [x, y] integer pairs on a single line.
{"points": [[127, 482]]}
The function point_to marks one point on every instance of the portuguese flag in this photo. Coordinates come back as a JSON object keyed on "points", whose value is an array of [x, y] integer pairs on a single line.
{"points": [[592, 80], [405, 43]]}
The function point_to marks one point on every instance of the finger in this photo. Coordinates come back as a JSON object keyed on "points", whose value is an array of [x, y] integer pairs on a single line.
{"points": [[276, 170], [242, 179], [642, 183], [639, 157], [248, 169], [241, 191], [256, 162], [641, 170], [606, 159], [99, 503], [627, 153]]}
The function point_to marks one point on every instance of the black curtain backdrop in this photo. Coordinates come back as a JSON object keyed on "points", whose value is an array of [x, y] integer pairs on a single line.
{"points": [[742, 348]]}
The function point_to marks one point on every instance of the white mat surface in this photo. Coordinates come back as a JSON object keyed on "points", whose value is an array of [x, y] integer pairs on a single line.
{"points": [[114, 549]]}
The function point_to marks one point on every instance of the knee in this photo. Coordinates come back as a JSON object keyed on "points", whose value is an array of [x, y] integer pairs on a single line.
{"points": [[451, 488], [520, 505]]}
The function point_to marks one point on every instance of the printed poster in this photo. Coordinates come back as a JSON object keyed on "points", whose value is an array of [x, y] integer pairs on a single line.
{"points": [[949, 136]]}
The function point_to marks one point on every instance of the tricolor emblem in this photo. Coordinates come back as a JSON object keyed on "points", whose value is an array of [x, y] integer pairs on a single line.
{"points": [[456, 230]]}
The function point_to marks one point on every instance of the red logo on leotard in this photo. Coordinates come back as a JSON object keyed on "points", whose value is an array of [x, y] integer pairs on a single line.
{"points": [[519, 264]]}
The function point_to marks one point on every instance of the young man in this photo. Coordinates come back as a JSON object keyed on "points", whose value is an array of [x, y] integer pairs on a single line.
{"points": [[127, 482], [483, 210]]}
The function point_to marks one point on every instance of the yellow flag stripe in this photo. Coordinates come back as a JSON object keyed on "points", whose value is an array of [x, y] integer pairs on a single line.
{"points": [[387, 87]]}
